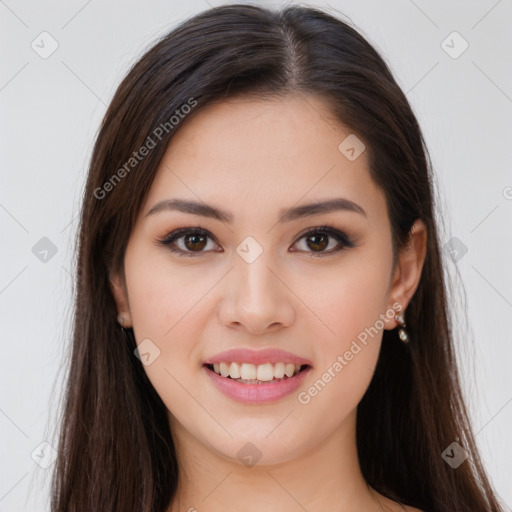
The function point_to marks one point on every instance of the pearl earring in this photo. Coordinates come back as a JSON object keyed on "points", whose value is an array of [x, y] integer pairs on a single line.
{"points": [[120, 318], [402, 333]]}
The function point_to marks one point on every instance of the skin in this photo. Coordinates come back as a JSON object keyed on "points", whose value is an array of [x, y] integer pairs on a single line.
{"points": [[254, 157]]}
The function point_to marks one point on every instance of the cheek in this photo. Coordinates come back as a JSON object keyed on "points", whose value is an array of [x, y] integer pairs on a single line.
{"points": [[346, 362], [162, 297], [166, 309], [166, 306], [349, 301], [353, 309]]}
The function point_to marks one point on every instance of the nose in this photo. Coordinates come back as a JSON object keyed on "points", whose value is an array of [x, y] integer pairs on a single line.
{"points": [[256, 298]]}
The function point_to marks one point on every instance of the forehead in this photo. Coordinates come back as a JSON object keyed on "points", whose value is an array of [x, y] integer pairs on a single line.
{"points": [[263, 154]]}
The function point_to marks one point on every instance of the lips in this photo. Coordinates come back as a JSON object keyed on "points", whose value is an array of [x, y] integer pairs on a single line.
{"points": [[257, 357], [272, 388]]}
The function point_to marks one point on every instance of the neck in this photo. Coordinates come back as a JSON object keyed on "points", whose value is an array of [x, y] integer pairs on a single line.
{"points": [[324, 477]]}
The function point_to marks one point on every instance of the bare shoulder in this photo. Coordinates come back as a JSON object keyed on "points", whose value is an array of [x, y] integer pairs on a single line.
{"points": [[397, 507], [393, 506], [404, 508]]}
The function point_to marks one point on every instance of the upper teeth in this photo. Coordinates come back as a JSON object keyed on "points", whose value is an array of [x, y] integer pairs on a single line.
{"points": [[261, 372]]}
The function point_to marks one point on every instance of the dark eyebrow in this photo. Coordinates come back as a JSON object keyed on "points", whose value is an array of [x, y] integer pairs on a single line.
{"points": [[285, 215]]}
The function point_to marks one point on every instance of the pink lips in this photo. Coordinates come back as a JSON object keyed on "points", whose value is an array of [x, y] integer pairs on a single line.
{"points": [[269, 355], [257, 393]]}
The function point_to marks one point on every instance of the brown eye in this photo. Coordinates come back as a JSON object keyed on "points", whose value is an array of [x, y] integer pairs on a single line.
{"points": [[195, 242], [317, 240]]}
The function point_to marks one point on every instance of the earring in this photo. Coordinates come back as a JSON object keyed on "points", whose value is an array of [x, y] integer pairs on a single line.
{"points": [[120, 319], [402, 333]]}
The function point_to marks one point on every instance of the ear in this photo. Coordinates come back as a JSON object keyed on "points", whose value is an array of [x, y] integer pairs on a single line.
{"points": [[407, 273], [118, 287]]}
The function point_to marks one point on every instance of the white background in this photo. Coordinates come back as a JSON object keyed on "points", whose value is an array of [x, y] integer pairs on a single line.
{"points": [[51, 109]]}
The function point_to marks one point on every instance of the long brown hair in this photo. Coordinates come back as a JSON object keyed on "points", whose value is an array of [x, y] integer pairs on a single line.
{"points": [[116, 451]]}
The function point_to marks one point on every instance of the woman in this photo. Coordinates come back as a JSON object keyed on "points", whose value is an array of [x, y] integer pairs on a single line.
{"points": [[261, 319]]}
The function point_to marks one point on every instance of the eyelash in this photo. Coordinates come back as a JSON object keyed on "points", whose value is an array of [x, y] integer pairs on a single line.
{"points": [[339, 236]]}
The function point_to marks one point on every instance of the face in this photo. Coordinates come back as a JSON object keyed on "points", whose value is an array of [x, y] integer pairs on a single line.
{"points": [[256, 278]]}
